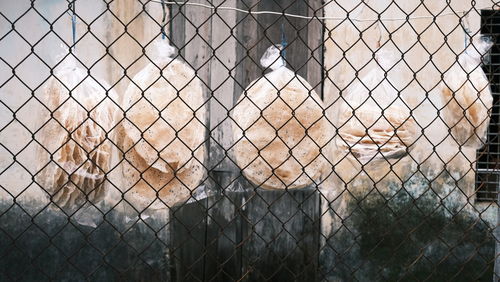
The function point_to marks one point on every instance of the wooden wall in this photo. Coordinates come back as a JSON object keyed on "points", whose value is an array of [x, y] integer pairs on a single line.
{"points": [[241, 230]]}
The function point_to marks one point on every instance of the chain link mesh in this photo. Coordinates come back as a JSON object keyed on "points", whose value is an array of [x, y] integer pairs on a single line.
{"points": [[158, 141]]}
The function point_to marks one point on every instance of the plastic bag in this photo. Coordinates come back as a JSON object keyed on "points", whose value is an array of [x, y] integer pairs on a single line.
{"points": [[280, 128], [466, 96], [76, 136], [374, 122], [164, 132]]}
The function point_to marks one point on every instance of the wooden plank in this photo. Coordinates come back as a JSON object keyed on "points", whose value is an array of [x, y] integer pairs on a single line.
{"points": [[197, 46], [198, 51], [283, 242], [315, 45], [222, 86], [187, 246], [177, 28], [247, 70], [193, 38], [247, 54], [224, 230]]}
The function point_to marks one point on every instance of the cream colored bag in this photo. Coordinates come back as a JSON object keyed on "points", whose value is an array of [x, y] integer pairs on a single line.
{"points": [[280, 128], [374, 122], [76, 136], [467, 96], [171, 150]]}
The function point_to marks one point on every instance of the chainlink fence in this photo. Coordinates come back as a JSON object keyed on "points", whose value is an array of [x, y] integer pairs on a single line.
{"points": [[248, 140]]}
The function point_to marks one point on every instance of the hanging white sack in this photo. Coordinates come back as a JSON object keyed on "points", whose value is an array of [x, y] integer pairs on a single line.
{"points": [[466, 96], [165, 105], [374, 122], [280, 128], [75, 136]]}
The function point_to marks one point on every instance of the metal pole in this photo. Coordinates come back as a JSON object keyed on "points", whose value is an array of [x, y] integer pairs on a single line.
{"points": [[496, 235]]}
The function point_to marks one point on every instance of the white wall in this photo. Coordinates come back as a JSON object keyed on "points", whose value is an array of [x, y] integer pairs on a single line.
{"points": [[48, 49]]}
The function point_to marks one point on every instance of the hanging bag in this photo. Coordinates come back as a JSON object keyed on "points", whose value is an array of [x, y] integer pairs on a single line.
{"points": [[466, 96], [374, 122], [164, 131], [280, 128], [75, 136]]}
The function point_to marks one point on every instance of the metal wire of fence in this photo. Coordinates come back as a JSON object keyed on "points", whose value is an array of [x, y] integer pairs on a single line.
{"points": [[248, 140]]}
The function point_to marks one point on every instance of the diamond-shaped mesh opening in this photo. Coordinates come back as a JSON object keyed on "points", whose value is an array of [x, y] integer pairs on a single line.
{"points": [[248, 140]]}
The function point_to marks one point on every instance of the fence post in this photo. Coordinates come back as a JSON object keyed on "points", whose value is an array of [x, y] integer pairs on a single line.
{"points": [[496, 235]]}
